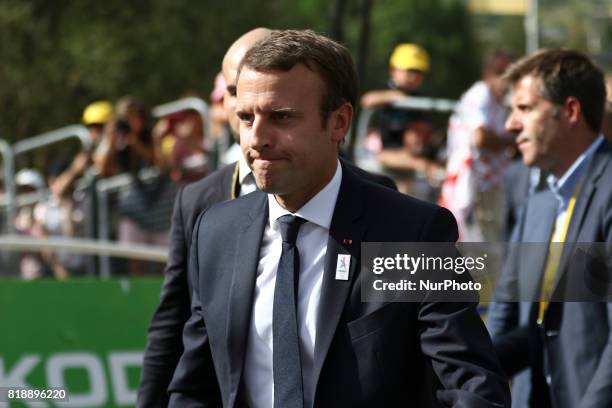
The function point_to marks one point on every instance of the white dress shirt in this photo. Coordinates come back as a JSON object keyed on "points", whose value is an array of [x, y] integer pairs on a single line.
{"points": [[567, 185], [312, 246], [245, 177]]}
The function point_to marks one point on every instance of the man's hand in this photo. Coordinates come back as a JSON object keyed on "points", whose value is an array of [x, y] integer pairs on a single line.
{"points": [[376, 99]]}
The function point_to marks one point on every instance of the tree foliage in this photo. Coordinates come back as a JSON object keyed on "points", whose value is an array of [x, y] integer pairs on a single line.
{"points": [[442, 27], [57, 56]]}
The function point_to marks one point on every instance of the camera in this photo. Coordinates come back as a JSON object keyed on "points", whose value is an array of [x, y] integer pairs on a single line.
{"points": [[122, 126]]}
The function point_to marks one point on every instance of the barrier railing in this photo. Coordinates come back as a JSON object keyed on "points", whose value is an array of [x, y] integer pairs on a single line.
{"points": [[104, 189], [35, 142], [104, 248], [48, 138], [8, 164], [367, 161], [9, 153], [84, 246], [198, 105]]}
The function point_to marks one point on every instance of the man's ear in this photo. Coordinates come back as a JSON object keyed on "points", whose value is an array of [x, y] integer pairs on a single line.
{"points": [[572, 109], [340, 121]]}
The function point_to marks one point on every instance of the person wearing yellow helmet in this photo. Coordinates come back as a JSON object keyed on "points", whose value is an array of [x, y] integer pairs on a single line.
{"points": [[408, 66], [95, 116]]}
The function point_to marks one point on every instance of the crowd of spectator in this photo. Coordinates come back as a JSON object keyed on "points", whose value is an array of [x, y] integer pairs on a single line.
{"points": [[461, 166], [158, 158]]}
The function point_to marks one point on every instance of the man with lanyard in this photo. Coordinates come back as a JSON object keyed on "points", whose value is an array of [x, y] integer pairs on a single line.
{"points": [[557, 108]]}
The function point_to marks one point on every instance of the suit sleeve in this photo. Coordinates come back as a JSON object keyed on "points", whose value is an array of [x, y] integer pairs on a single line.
{"points": [[511, 341], [599, 390], [164, 344], [502, 316], [195, 383], [454, 338]]}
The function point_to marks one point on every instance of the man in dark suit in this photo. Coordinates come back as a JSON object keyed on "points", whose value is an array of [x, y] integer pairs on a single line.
{"points": [[164, 344], [557, 109], [277, 316]]}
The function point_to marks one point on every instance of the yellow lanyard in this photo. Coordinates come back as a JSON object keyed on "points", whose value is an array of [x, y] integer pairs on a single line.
{"points": [[235, 182], [555, 250]]}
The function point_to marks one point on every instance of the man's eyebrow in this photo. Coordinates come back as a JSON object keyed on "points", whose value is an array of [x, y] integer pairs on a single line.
{"points": [[280, 109], [284, 109]]}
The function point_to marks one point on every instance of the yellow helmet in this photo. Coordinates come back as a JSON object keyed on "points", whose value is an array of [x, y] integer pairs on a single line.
{"points": [[97, 113], [409, 56]]}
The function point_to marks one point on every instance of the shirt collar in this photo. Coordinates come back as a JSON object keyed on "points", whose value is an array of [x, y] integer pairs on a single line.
{"points": [[318, 210], [243, 169], [563, 188]]}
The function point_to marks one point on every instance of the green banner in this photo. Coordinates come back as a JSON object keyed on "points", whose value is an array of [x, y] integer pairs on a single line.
{"points": [[84, 335]]}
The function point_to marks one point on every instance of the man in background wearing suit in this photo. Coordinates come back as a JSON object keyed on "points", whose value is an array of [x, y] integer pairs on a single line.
{"points": [[557, 107], [164, 345], [274, 323]]}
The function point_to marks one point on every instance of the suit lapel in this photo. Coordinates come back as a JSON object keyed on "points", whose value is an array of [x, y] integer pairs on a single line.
{"points": [[345, 237], [591, 177], [600, 160], [537, 228], [241, 290]]}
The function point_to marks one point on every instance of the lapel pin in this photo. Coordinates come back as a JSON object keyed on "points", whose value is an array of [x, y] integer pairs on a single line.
{"points": [[343, 265], [347, 241]]}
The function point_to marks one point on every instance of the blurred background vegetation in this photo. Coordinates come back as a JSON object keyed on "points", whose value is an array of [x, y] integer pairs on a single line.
{"points": [[58, 56]]}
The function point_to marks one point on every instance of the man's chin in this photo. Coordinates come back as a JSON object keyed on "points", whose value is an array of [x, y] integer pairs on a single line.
{"points": [[267, 185]]}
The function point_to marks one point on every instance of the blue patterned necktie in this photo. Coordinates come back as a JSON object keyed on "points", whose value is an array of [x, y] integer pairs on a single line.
{"points": [[287, 366]]}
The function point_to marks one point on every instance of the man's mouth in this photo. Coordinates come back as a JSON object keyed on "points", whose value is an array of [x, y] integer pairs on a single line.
{"points": [[522, 142], [266, 162]]}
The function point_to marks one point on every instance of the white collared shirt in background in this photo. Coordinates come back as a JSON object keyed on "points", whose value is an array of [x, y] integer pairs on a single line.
{"points": [[566, 186], [245, 177]]}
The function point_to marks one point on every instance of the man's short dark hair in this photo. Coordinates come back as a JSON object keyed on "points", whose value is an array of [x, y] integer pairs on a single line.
{"points": [[283, 49], [564, 73]]}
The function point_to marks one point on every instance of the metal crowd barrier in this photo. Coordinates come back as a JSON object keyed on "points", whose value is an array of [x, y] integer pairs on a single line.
{"points": [[200, 106], [48, 138], [113, 185], [363, 158], [102, 244], [8, 163], [9, 153], [85, 246], [102, 188]]}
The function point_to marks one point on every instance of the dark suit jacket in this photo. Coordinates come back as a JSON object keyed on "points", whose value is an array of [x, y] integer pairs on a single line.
{"points": [[577, 336], [516, 191], [366, 354], [164, 343]]}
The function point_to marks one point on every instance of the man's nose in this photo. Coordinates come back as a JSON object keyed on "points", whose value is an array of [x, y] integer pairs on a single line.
{"points": [[512, 124], [259, 133]]}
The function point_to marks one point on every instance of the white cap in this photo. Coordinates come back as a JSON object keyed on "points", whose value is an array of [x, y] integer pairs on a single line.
{"points": [[30, 177]]}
